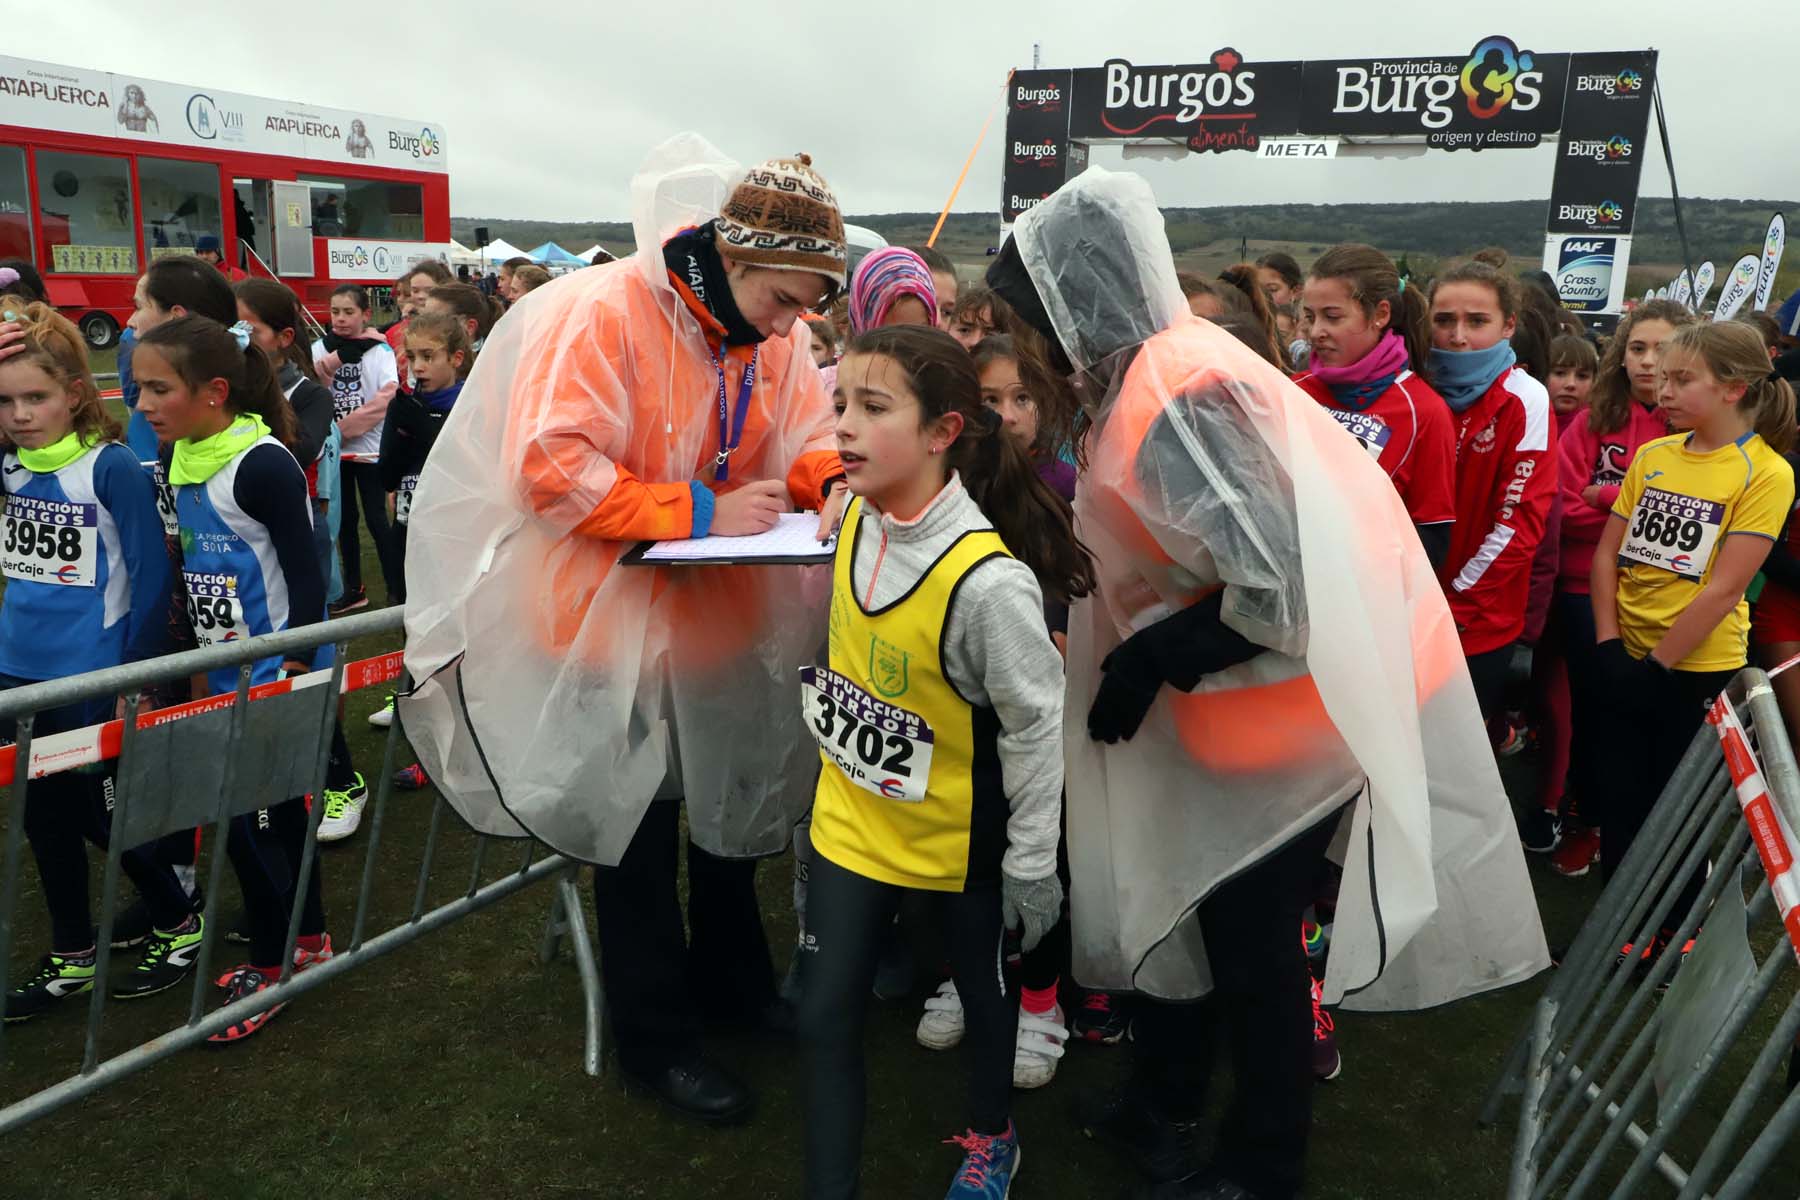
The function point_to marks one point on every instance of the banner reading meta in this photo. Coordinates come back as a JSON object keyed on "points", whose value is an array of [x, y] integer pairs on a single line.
{"points": [[1605, 119], [1037, 140]]}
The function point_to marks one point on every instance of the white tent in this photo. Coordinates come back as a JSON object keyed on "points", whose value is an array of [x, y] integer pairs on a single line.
{"points": [[462, 256], [588, 254], [498, 252]]}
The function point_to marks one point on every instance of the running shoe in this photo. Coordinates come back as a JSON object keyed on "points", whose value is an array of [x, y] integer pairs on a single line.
{"points": [[941, 1028], [349, 602], [133, 926], [1578, 853], [1039, 1046], [1102, 1018], [303, 958], [411, 779], [343, 810], [1328, 1064], [242, 983], [58, 977], [383, 717], [1541, 830], [1205, 1185], [168, 958], [1512, 743], [1124, 1119], [989, 1163]]}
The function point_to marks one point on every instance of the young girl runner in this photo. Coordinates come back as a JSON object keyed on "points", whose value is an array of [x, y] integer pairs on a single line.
{"points": [[1572, 366], [87, 587], [1504, 470], [250, 569], [363, 378], [1369, 342], [439, 357], [1622, 417], [1692, 524], [272, 312], [939, 723]]}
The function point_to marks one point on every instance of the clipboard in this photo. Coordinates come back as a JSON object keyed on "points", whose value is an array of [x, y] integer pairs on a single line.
{"points": [[790, 542]]}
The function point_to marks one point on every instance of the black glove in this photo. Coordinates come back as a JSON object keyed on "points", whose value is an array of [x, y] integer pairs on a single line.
{"points": [[1179, 650], [1624, 672]]}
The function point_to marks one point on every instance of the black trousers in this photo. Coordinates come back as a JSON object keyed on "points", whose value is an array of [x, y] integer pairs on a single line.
{"points": [[1048, 961], [362, 482], [65, 811], [1261, 1003], [1648, 720], [1588, 757], [661, 984], [846, 915], [1489, 671], [265, 848]]}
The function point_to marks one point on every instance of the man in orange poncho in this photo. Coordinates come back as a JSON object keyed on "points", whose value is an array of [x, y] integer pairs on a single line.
{"points": [[566, 697]]}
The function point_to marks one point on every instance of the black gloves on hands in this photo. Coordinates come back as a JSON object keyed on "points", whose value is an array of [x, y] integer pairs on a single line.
{"points": [[1178, 650]]}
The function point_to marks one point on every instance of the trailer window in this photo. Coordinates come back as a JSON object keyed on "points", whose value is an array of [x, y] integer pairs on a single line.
{"points": [[367, 208], [85, 203], [181, 205], [15, 205]]}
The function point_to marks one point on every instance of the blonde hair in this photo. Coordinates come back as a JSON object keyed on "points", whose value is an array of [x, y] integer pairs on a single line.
{"points": [[1734, 353], [53, 344]]}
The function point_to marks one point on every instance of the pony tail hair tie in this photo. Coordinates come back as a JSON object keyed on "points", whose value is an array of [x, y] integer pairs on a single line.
{"points": [[241, 331]]}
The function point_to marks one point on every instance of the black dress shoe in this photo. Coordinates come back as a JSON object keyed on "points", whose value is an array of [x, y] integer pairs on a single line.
{"points": [[695, 1088], [1162, 1149]]}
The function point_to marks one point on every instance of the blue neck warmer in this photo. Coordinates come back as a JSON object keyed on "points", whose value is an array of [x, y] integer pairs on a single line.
{"points": [[442, 402], [1461, 376]]}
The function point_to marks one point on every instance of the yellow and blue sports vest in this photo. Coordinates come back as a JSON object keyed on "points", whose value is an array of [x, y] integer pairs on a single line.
{"points": [[910, 792]]}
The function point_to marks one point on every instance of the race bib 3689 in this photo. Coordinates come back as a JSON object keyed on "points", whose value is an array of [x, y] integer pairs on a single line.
{"points": [[1674, 532]]}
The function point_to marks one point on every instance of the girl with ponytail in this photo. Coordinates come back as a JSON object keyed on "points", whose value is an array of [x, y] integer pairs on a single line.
{"points": [[250, 569], [1694, 520], [939, 721], [1370, 342]]}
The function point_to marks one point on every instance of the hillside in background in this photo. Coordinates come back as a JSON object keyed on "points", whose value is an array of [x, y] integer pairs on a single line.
{"points": [[1206, 238]]}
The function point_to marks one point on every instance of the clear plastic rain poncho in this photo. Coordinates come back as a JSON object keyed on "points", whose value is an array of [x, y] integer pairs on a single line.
{"points": [[1207, 467], [557, 692]]}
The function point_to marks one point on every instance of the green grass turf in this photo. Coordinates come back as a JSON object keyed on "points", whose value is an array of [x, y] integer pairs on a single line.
{"points": [[452, 1069]]}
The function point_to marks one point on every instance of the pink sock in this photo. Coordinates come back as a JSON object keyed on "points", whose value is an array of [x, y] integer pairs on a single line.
{"points": [[1038, 1001]]}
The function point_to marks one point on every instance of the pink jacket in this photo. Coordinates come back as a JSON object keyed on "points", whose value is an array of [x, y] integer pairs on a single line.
{"points": [[1589, 459]]}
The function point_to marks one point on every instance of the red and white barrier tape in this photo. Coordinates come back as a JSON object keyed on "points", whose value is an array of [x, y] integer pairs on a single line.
{"points": [[1775, 841], [56, 752]]}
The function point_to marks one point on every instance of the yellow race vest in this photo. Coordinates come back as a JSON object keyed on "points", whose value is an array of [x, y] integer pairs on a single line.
{"points": [[910, 792]]}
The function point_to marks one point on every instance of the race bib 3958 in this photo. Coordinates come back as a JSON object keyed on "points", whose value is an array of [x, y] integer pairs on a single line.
{"points": [[51, 541]]}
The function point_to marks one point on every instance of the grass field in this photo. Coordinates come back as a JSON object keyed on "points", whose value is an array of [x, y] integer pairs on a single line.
{"points": [[452, 1069]]}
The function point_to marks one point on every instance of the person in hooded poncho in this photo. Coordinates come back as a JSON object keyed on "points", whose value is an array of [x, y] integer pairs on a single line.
{"points": [[566, 697], [1268, 656]]}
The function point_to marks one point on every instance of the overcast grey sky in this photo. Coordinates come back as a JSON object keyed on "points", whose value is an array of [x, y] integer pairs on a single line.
{"points": [[550, 104]]}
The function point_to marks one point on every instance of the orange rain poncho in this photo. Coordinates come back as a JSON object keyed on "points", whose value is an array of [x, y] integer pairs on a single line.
{"points": [[558, 693], [1207, 468]]}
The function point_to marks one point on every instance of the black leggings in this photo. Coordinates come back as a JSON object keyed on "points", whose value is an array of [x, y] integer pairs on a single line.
{"points": [[265, 848], [1048, 961], [65, 811], [846, 914], [1261, 1003], [362, 480]]}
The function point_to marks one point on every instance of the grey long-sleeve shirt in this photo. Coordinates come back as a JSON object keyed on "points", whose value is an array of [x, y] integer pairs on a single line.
{"points": [[997, 653]]}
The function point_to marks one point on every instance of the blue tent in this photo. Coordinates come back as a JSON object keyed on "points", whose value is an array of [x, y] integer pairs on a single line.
{"points": [[553, 255]]}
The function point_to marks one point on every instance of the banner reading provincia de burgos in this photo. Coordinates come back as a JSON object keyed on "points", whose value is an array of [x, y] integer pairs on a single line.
{"points": [[35, 95], [1593, 193]]}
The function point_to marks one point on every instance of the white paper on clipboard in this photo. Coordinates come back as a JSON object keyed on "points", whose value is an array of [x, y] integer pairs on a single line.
{"points": [[794, 535]]}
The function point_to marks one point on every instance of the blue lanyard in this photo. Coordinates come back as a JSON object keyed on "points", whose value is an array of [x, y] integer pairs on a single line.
{"points": [[728, 440]]}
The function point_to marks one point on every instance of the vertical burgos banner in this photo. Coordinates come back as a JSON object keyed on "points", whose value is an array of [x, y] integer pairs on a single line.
{"points": [[1037, 140], [1593, 194]]}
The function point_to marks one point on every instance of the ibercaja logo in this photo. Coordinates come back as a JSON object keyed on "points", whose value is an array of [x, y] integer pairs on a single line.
{"points": [[1047, 98], [1499, 76], [1031, 154], [1625, 84]]}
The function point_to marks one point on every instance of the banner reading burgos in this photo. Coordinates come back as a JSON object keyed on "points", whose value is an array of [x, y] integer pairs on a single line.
{"points": [[1605, 119], [1222, 104], [37, 95], [1495, 96], [1037, 139], [356, 258]]}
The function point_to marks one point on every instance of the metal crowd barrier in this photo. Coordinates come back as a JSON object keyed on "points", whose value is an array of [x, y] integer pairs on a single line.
{"points": [[197, 765], [1620, 1066]]}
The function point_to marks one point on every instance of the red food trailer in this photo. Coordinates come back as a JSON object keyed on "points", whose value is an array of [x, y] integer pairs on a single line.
{"points": [[101, 174]]}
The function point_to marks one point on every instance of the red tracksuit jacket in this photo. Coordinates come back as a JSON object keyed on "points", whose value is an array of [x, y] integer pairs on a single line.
{"points": [[1505, 478]]}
